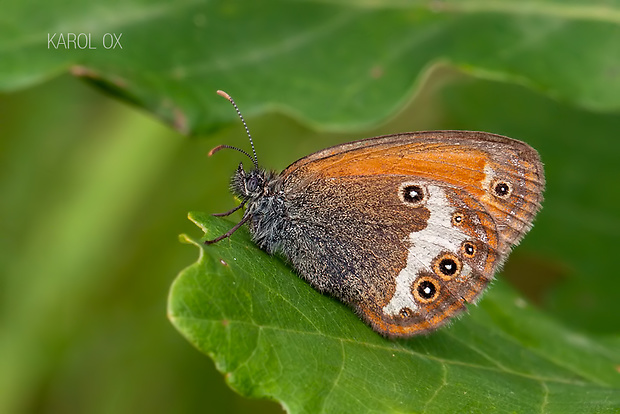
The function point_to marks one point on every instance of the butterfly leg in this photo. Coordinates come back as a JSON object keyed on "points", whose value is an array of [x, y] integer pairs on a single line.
{"points": [[229, 212], [229, 232]]}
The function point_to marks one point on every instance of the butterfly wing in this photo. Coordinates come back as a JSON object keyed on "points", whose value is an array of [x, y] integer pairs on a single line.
{"points": [[410, 226]]}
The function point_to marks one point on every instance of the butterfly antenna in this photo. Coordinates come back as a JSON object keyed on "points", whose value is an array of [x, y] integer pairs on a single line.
{"points": [[254, 158], [220, 147]]}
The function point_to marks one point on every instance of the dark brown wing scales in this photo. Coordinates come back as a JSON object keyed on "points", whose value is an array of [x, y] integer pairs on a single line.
{"points": [[354, 243]]}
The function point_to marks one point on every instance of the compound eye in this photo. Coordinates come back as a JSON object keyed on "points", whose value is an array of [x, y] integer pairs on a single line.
{"points": [[253, 182]]}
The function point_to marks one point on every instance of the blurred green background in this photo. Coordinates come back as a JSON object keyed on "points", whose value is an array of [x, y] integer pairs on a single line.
{"points": [[94, 192]]}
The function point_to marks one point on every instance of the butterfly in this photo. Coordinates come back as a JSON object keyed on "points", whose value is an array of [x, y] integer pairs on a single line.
{"points": [[406, 229]]}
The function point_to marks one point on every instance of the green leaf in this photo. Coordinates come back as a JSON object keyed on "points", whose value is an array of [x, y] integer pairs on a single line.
{"points": [[341, 64], [277, 338]]}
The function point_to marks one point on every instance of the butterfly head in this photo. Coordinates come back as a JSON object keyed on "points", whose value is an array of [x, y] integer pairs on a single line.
{"points": [[252, 187], [249, 186]]}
